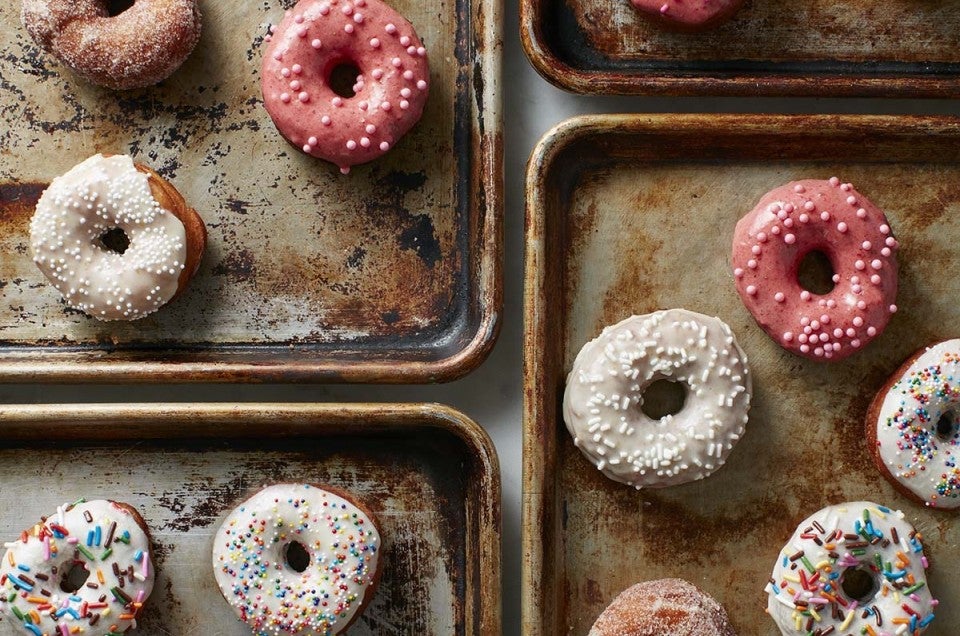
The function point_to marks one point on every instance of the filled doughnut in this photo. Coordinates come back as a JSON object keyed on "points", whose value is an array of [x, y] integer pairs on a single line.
{"points": [[88, 569], [604, 398], [298, 559], [833, 219], [688, 15], [138, 47], [855, 568], [913, 427], [344, 80], [667, 606], [116, 239]]}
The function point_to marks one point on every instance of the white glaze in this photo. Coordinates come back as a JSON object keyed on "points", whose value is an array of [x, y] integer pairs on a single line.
{"points": [[601, 405], [265, 591], [787, 588], [121, 546], [98, 195], [915, 455]]}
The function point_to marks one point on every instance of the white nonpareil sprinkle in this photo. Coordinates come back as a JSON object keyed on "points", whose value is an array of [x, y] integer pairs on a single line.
{"points": [[97, 196]]}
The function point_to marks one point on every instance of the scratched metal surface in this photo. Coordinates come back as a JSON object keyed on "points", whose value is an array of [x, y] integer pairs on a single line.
{"points": [[789, 46], [385, 274], [645, 222], [425, 474]]}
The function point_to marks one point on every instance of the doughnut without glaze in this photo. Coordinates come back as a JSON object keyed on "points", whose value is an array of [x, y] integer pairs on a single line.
{"points": [[831, 217], [166, 238], [317, 36], [913, 427], [140, 47], [688, 15], [811, 589], [266, 592], [604, 393], [107, 539], [667, 606]]}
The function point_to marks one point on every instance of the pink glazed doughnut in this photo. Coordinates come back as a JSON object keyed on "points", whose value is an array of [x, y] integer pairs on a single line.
{"points": [[830, 217], [315, 38], [687, 15]]}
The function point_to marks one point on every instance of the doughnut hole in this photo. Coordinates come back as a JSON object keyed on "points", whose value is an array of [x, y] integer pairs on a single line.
{"points": [[342, 78], [859, 584], [662, 398], [114, 240], [296, 557], [947, 426], [116, 7], [815, 273], [74, 578]]}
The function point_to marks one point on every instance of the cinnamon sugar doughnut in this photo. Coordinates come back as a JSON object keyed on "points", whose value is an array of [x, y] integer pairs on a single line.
{"points": [[667, 606], [319, 38], [139, 47]]}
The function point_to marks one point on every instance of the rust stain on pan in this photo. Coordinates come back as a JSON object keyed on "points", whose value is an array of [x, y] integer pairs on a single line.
{"points": [[775, 47], [389, 274], [645, 221], [429, 475]]}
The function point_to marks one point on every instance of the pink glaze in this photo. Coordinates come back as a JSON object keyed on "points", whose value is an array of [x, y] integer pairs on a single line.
{"points": [[315, 37], [806, 216], [688, 14]]}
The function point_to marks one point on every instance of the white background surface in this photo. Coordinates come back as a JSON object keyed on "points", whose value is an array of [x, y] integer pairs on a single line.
{"points": [[492, 395]]}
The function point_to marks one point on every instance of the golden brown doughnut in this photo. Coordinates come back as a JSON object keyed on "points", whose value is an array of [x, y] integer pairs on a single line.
{"points": [[658, 608], [139, 47]]}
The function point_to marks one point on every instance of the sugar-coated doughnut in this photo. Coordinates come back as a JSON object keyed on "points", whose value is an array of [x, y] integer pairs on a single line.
{"points": [[605, 388], [139, 47], [110, 196], [688, 15], [87, 569], [830, 217], [913, 427], [667, 606], [320, 591], [854, 568], [390, 89]]}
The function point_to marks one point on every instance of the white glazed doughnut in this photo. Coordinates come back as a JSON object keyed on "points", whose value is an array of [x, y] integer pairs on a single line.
{"points": [[77, 210], [914, 427], [257, 574], [605, 388], [856, 568], [106, 539]]}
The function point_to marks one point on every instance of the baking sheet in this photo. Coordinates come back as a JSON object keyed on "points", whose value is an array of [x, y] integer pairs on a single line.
{"points": [[429, 474], [391, 273], [629, 214], [900, 48]]}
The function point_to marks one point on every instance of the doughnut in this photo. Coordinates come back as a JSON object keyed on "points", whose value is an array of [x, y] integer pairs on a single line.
{"points": [[667, 606], [115, 239], [298, 559], [687, 15], [139, 47], [383, 58], [87, 569], [832, 218], [602, 404], [913, 427], [855, 568]]}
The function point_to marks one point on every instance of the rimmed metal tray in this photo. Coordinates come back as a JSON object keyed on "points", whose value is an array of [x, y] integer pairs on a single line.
{"points": [[428, 473], [389, 274], [771, 47], [628, 214]]}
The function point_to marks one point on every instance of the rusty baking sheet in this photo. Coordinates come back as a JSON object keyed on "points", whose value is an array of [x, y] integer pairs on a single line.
{"points": [[897, 48], [390, 274], [428, 473], [628, 214]]}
